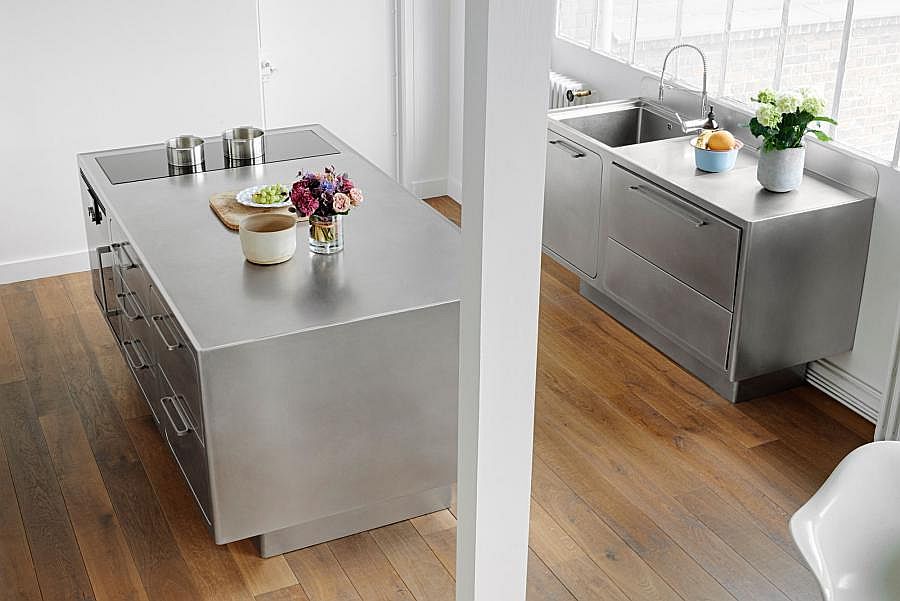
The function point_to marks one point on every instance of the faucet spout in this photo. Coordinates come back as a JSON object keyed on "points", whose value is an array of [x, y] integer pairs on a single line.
{"points": [[704, 98]]}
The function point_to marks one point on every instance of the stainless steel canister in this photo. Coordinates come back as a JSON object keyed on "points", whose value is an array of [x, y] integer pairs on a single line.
{"points": [[185, 151], [244, 142]]}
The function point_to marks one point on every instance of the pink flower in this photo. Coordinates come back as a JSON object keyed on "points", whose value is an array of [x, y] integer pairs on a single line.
{"points": [[341, 203], [305, 203], [356, 197]]}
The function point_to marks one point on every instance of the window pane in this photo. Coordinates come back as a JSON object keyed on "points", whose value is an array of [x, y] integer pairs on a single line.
{"points": [[703, 25], [614, 26], [575, 20], [812, 48], [753, 48], [655, 32], [870, 100]]}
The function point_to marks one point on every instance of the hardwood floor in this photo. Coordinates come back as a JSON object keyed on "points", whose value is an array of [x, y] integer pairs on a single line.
{"points": [[647, 485]]}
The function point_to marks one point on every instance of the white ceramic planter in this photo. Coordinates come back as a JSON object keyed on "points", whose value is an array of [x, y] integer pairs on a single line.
{"points": [[781, 170], [267, 239]]}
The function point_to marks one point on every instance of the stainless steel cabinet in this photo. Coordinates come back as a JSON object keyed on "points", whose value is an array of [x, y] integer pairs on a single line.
{"points": [[572, 203]]}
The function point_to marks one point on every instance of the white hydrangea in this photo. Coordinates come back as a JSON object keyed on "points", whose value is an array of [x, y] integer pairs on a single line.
{"points": [[787, 102], [768, 115], [812, 104], [766, 95]]}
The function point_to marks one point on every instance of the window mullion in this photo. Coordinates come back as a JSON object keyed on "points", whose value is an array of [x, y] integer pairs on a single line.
{"points": [[558, 5], [729, 15], [842, 64], [896, 161], [595, 30], [679, 17], [782, 42], [634, 27]]}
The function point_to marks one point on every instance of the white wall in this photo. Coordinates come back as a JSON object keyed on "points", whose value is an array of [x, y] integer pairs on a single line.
{"points": [[89, 75], [862, 374], [430, 56], [455, 118]]}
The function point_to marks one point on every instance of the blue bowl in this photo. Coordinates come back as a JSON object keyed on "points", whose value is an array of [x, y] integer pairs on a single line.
{"points": [[716, 161]]}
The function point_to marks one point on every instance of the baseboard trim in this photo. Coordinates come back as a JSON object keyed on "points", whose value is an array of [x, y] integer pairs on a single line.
{"points": [[845, 387], [42, 267], [430, 188]]}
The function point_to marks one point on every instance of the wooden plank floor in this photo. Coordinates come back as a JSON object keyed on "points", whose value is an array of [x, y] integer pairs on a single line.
{"points": [[647, 485]]}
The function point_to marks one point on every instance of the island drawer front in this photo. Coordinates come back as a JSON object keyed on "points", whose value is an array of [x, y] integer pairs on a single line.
{"points": [[177, 360], [687, 242], [180, 433], [678, 310], [127, 263], [138, 355]]}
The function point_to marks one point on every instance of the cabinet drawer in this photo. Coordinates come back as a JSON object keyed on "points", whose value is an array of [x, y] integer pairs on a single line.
{"points": [[136, 350], [184, 443], [689, 243], [132, 273], [572, 203], [126, 262], [680, 311], [176, 358]]}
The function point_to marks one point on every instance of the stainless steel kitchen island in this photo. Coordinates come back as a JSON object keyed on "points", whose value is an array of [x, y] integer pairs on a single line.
{"points": [[303, 401]]}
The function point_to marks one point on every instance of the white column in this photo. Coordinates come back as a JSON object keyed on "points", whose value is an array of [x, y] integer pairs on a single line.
{"points": [[507, 56]]}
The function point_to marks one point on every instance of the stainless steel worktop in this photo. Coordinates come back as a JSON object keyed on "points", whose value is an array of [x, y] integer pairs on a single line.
{"points": [[735, 193], [399, 255]]}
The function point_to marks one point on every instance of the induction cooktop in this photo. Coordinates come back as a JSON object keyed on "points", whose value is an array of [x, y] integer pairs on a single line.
{"points": [[152, 164]]}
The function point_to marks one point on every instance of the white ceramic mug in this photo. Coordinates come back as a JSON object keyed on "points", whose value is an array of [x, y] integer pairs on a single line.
{"points": [[268, 238]]}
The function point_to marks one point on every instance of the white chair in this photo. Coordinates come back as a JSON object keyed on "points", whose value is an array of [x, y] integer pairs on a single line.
{"points": [[849, 531]]}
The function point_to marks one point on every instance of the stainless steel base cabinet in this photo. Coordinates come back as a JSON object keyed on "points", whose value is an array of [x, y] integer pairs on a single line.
{"points": [[572, 203]]}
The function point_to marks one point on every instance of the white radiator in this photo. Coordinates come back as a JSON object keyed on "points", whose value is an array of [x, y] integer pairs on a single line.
{"points": [[565, 91]]}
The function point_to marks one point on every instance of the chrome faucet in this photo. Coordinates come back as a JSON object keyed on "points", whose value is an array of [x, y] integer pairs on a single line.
{"points": [[704, 99]]}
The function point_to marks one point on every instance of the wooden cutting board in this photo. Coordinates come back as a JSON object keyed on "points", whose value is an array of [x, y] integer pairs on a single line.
{"points": [[230, 212]]}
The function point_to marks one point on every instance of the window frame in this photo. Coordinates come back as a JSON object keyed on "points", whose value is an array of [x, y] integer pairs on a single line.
{"points": [[717, 81]]}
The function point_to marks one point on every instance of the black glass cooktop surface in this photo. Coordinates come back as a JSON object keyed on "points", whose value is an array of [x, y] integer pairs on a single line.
{"points": [[153, 164]]}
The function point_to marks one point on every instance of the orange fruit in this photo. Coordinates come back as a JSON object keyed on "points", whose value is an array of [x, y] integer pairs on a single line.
{"points": [[720, 140]]}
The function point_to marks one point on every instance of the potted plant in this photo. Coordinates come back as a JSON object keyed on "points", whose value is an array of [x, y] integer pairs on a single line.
{"points": [[782, 120], [325, 198]]}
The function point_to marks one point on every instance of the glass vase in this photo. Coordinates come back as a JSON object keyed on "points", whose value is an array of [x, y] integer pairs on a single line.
{"points": [[326, 234]]}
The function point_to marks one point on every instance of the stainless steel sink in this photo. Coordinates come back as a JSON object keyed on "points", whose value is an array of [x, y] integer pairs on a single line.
{"points": [[623, 123]]}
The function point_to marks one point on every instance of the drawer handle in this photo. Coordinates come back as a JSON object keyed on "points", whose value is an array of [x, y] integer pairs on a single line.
{"points": [[123, 305], [576, 152], [668, 205], [131, 263], [135, 364], [169, 346], [183, 427]]}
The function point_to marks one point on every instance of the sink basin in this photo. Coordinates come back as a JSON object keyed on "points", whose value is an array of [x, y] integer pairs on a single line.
{"points": [[624, 124]]}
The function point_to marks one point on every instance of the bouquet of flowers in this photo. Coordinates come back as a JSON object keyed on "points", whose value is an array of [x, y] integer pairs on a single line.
{"points": [[782, 119], [324, 194], [322, 197]]}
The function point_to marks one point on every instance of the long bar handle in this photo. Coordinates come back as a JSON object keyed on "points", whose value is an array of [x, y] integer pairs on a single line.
{"points": [[576, 152], [122, 298], [169, 346], [184, 426], [131, 262], [102, 250], [135, 364], [668, 205]]}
